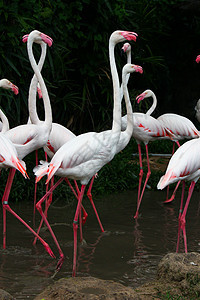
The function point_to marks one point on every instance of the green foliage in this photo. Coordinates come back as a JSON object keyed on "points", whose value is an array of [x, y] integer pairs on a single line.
{"points": [[77, 71]]}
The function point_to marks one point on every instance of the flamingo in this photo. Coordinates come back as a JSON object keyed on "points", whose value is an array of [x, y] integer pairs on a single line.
{"points": [[181, 128], [57, 140], [184, 165], [6, 84], [85, 155], [59, 135], [145, 129], [197, 107], [29, 137]]}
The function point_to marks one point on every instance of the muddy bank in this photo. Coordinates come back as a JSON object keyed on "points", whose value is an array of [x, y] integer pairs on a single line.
{"points": [[178, 275]]}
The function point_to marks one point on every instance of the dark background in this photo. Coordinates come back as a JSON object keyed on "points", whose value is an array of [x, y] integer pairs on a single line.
{"points": [[77, 71]]}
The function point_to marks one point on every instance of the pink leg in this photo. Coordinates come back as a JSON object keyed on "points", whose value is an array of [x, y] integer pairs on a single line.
{"points": [[167, 196], [89, 194], [173, 194], [141, 172], [39, 208], [7, 207], [35, 191], [85, 214], [183, 215], [145, 183], [5, 201], [80, 226], [75, 227], [179, 217], [47, 204]]}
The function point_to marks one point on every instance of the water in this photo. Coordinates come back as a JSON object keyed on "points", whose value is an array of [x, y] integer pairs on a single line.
{"points": [[128, 252]]}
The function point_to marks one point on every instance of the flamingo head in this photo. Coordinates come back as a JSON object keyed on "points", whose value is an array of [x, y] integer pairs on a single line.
{"points": [[145, 94], [38, 38], [25, 38], [198, 59], [6, 84], [129, 35], [130, 68], [121, 36], [126, 48]]}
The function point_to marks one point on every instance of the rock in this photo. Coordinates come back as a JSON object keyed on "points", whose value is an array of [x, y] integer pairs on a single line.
{"points": [[5, 296], [182, 270], [88, 288]]}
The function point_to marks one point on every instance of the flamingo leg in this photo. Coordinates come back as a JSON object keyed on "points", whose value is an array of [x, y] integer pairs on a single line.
{"points": [[183, 215], [145, 183], [85, 214], [141, 172], [174, 192], [75, 227], [5, 201], [89, 194], [179, 217], [47, 204], [48, 193], [80, 226], [39, 208], [6, 207], [35, 190]]}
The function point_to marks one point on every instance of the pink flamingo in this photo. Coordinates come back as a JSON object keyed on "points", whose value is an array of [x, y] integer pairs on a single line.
{"points": [[181, 128], [29, 137], [145, 129], [85, 155], [184, 165], [59, 135], [6, 84]]}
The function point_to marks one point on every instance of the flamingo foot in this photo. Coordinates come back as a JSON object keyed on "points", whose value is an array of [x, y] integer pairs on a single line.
{"points": [[136, 215], [48, 249], [60, 262], [169, 200]]}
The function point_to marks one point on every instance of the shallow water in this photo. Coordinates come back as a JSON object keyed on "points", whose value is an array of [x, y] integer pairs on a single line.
{"points": [[128, 252]]}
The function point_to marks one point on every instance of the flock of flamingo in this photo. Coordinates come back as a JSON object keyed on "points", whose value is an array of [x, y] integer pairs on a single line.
{"points": [[81, 157]]}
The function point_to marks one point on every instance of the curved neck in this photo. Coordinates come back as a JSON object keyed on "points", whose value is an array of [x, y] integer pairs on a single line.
{"points": [[116, 126], [5, 123], [129, 127], [152, 108], [127, 75], [46, 101], [33, 88]]}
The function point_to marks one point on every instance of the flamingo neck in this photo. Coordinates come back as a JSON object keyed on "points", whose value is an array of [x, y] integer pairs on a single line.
{"points": [[129, 127], [116, 126], [5, 123], [46, 101], [152, 108], [33, 88], [128, 53]]}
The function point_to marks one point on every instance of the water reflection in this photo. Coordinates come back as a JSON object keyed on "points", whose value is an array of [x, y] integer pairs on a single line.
{"points": [[128, 252]]}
